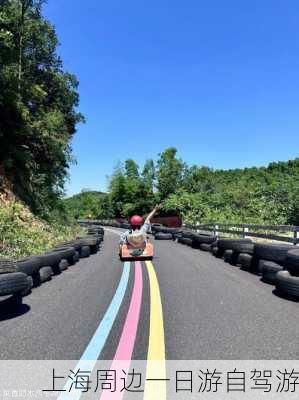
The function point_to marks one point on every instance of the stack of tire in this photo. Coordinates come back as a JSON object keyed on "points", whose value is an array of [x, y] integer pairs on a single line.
{"points": [[13, 283], [89, 244], [196, 240], [287, 281], [235, 251], [268, 260], [165, 233], [186, 237], [203, 242]]}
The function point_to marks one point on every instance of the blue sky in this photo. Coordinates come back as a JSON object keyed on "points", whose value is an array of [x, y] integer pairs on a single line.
{"points": [[217, 79]]}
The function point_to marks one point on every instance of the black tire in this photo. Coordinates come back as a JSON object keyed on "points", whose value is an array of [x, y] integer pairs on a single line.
{"points": [[214, 250], [163, 236], [76, 244], [76, 257], [287, 284], [292, 262], [267, 264], [100, 238], [89, 240], [205, 247], [7, 266], [29, 266], [85, 252], [202, 239], [228, 256], [177, 235], [186, 241], [14, 282], [67, 253], [270, 270], [271, 252], [27, 291], [94, 249], [260, 267], [188, 234], [50, 259], [63, 265], [45, 274], [238, 245], [245, 261], [235, 257], [100, 231]]}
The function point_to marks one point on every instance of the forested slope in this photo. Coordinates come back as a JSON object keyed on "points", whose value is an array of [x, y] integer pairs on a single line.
{"points": [[38, 118], [38, 101], [201, 194]]}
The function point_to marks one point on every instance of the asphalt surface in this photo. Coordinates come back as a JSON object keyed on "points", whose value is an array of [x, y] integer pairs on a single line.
{"points": [[211, 310]]}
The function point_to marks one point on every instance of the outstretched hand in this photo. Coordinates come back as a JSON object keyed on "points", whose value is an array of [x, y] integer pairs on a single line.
{"points": [[158, 207]]}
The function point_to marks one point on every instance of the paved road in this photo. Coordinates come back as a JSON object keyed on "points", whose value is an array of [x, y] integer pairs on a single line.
{"points": [[186, 302]]}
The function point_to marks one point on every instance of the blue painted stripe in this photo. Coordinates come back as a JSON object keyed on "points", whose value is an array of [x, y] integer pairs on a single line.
{"points": [[97, 343]]}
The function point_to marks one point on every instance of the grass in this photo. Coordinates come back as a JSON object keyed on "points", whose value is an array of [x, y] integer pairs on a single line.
{"points": [[22, 234]]}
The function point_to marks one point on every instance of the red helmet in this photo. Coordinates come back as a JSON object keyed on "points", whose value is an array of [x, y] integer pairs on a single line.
{"points": [[136, 220]]}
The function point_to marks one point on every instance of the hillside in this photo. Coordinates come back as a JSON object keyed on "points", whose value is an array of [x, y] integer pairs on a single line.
{"points": [[262, 195], [87, 204], [23, 234]]}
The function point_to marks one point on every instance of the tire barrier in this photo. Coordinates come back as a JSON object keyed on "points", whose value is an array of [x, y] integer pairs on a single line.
{"points": [[245, 261], [292, 262], [271, 252], [18, 277], [205, 247], [277, 264], [163, 236], [45, 274], [228, 255], [270, 270], [286, 284], [13, 283]]}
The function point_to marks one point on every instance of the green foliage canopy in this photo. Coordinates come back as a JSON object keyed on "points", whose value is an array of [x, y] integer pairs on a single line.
{"points": [[38, 101], [267, 195]]}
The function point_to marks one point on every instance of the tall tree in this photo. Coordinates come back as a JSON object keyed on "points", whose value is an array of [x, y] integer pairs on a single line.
{"points": [[38, 101], [131, 169], [170, 172], [117, 191], [149, 174]]}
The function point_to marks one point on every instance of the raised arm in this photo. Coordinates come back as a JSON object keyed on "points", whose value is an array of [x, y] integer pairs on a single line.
{"points": [[151, 214]]}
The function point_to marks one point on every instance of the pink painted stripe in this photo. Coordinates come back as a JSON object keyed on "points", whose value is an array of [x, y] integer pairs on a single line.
{"points": [[124, 352]]}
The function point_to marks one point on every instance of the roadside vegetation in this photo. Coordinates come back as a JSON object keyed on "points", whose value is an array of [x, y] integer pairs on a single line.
{"points": [[38, 106], [88, 204], [23, 234], [38, 118]]}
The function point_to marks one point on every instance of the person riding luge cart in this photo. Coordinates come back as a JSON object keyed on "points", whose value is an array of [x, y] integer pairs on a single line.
{"points": [[134, 244]]}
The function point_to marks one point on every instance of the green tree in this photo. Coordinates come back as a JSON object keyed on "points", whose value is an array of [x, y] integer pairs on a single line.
{"points": [[117, 191], [149, 175], [131, 169], [170, 172], [38, 101]]}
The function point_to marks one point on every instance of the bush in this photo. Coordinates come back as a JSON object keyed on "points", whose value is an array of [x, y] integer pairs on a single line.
{"points": [[22, 234]]}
